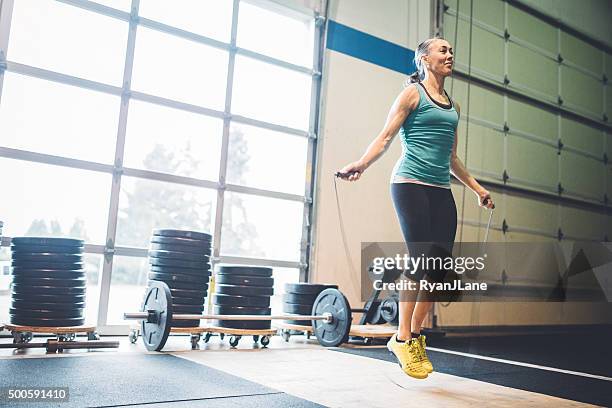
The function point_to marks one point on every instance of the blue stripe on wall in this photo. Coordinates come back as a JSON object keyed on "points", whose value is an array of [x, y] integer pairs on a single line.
{"points": [[366, 47]]}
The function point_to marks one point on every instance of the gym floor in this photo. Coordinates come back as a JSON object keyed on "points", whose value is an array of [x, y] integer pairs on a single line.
{"points": [[302, 373]]}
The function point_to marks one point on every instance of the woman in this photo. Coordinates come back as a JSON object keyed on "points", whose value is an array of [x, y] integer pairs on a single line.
{"points": [[427, 119]]}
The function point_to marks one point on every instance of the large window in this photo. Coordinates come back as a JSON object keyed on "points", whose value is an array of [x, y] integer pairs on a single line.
{"points": [[169, 115]]}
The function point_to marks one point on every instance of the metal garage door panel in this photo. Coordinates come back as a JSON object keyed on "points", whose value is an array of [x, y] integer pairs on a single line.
{"points": [[609, 183], [581, 136], [530, 28], [608, 68], [583, 175], [581, 53], [532, 120], [539, 75], [475, 214], [532, 162], [487, 11], [485, 150], [489, 62], [582, 224], [608, 144], [608, 228], [608, 90], [581, 90], [524, 212], [486, 104]]}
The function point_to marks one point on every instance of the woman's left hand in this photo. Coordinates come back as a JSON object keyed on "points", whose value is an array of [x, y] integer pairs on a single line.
{"points": [[485, 200]]}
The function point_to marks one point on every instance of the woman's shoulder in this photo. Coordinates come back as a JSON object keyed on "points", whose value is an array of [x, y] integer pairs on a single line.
{"points": [[410, 96]]}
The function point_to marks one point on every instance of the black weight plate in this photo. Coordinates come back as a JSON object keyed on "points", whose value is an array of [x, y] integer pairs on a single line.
{"points": [[245, 280], [297, 309], [21, 280], [47, 241], [179, 271], [54, 249], [185, 323], [182, 256], [180, 285], [19, 304], [247, 301], [244, 324], [180, 241], [46, 265], [202, 266], [376, 317], [42, 322], [158, 299], [307, 288], [244, 290], [48, 298], [244, 270], [187, 309], [180, 248], [175, 277], [49, 314], [46, 257], [299, 299], [49, 273], [47, 290], [239, 310], [389, 310], [188, 301], [335, 332], [188, 293], [200, 236]]}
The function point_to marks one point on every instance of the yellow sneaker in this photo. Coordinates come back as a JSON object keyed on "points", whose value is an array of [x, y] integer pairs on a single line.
{"points": [[408, 356], [423, 354]]}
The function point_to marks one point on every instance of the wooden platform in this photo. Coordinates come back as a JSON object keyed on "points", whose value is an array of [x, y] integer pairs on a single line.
{"points": [[53, 330], [372, 331]]}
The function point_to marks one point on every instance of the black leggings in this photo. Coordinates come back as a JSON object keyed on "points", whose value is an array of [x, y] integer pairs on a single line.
{"points": [[428, 218]]}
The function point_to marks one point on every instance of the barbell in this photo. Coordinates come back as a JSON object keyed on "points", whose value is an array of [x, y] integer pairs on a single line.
{"points": [[331, 317]]}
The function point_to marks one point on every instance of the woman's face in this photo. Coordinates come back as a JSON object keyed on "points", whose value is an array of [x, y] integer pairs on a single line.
{"points": [[440, 59]]}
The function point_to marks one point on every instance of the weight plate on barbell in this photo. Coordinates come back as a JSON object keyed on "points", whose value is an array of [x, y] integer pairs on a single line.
{"points": [[46, 257], [307, 288], [180, 271], [244, 290], [203, 266], [297, 309], [49, 314], [182, 285], [389, 310], [299, 299], [241, 310], [180, 248], [336, 332], [175, 277], [49, 273], [48, 298], [44, 281], [180, 241], [182, 256], [245, 280], [21, 304], [19, 288], [200, 236], [42, 322], [46, 265], [244, 270], [244, 324], [47, 241], [158, 299], [246, 301], [54, 249]]}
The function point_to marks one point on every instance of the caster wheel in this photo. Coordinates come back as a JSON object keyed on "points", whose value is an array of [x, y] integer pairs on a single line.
{"points": [[194, 342], [133, 337], [222, 336], [93, 336], [307, 335], [207, 337], [255, 338], [285, 335], [265, 340], [234, 341]]}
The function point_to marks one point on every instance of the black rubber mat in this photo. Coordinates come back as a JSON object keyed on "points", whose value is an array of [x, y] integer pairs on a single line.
{"points": [[557, 384], [139, 379]]}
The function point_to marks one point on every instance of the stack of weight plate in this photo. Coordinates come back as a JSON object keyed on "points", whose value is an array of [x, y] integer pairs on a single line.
{"points": [[181, 260], [49, 282], [299, 298], [243, 290]]}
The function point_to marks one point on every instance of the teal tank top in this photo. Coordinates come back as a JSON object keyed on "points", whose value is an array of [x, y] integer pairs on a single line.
{"points": [[427, 137]]}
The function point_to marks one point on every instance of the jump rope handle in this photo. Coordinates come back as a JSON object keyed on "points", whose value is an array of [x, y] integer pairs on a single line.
{"points": [[344, 175], [486, 200]]}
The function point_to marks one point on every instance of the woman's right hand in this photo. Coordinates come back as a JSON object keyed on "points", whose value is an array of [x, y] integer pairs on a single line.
{"points": [[354, 171]]}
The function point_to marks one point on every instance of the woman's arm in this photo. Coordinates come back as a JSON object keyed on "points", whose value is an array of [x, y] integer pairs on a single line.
{"points": [[403, 105], [458, 170]]}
